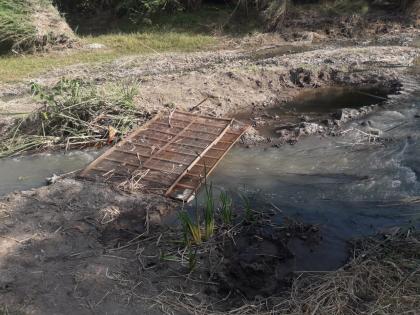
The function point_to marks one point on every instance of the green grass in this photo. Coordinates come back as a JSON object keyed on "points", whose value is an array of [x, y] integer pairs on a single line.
{"points": [[15, 29], [149, 42], [226, 210], [15, 68], [180, 32]]}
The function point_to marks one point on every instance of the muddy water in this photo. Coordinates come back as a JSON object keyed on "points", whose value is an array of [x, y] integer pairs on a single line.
{"points": [[346, 185], [327, 100], [31, 171]]}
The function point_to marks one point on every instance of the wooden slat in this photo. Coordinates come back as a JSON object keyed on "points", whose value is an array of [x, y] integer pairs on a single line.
{"points": [[110, 151], [193, 130], [217, 162], [186, 186], [197, 159], [134, 165], [203, 116], [184, 136], [168, 144]]}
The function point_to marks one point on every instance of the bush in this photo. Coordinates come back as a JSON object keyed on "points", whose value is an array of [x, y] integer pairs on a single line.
{"points": [[16, 32]]}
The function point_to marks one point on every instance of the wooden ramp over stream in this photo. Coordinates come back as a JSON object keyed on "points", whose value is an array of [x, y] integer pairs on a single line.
{"points": [[170, 155]]}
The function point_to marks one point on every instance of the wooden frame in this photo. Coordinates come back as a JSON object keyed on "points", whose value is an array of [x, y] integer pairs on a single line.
{"points": [[160, 151]]}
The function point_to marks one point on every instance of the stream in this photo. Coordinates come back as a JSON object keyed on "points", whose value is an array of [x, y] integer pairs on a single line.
{"points": [[347, 185], [31, 171]]}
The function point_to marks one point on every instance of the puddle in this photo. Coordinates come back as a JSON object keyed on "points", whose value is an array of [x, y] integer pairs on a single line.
{"points": [[349, 190], [316, 105], [28, 172], [329, 100]]}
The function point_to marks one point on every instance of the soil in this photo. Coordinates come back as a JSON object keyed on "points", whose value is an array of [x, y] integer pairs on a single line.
{"points": [[81, 247]]}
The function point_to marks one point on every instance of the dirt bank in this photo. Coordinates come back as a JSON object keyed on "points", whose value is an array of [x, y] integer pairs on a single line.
{"points": [[232, 82], [82, 248], [52, 259]]}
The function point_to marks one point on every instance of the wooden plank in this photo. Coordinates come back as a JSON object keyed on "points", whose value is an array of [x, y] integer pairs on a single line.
{"points": [[197, 159], [192, 130], [203, 116], [184, 136], [167, 150], [198, 123], [111, 150], [186, 186], [169, 143], [217, 162], [135, 165]]}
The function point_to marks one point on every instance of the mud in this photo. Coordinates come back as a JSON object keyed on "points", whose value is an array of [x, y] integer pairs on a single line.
{"points": [[260, 261], [53, 260]]}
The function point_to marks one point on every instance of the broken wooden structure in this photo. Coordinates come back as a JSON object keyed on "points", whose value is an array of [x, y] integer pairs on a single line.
{"points": [[171, 155]]}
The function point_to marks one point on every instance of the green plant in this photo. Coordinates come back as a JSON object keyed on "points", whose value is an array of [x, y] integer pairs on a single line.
{"points": [[226, 210], [192, 258], [191, 230], [209, 211], [16, 31], [249, 213]]}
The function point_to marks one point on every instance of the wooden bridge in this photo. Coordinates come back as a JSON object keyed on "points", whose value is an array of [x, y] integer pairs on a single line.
{"points": [[171, 155]]}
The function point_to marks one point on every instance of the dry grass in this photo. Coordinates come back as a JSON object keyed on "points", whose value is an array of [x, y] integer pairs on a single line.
{"points": [[75, 114], [382, 278]]}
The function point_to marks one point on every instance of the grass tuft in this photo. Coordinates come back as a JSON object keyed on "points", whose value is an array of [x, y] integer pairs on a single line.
{"points": [[15, 29], [209, 211], [226, 210], [249, 213], [191, 229]]}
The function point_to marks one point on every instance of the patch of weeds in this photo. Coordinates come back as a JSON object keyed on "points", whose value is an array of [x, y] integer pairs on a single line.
{"points": [[249, 213], [15, 29], [192, 258], [191, 230], [74, 114], [226, 210], [209, 211]]}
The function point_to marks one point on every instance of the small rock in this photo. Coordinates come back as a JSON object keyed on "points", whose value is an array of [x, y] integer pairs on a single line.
{"points": [[304, 118], [282, 132], [328, 122], [52, 180], [309, 128], [417, 116]]}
